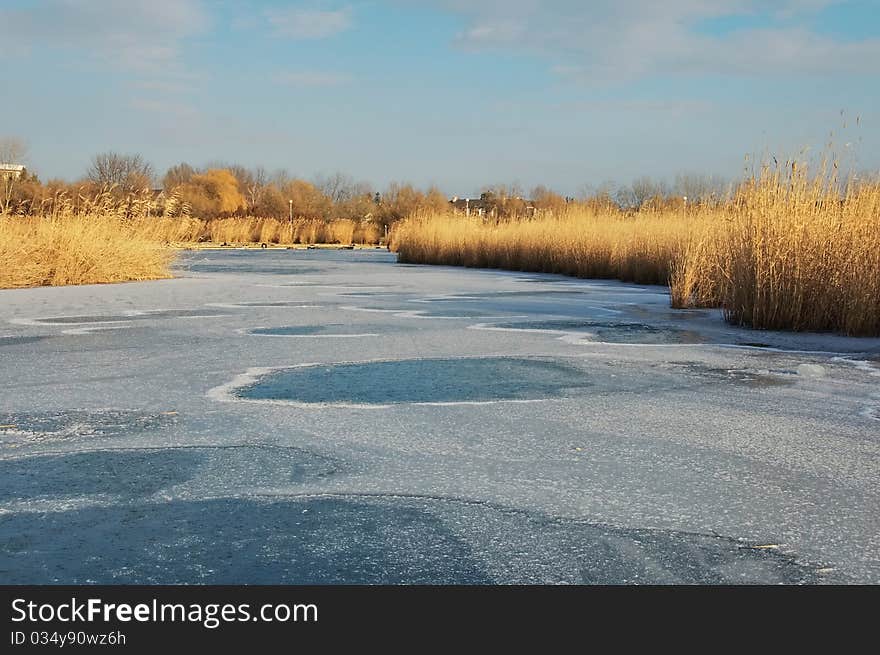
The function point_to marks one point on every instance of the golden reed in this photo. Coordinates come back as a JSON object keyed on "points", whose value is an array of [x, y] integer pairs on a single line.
{"points": [[785, 251]]}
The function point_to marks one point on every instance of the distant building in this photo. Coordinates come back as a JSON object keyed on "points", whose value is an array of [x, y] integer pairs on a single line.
{"points": [[14, 171], [486, 205], [469, 206]]}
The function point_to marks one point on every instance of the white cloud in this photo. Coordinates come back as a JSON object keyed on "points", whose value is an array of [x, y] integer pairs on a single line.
{"points": [[641, 107], [177, 111], [311, 78], [139, 35], [611, 39], [298, 23]]}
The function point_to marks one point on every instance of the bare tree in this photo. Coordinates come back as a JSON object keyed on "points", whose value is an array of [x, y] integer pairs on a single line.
{"points": [[547, 199], [272, 203], [504, 200], [605, 189], [601, 196], [258, 180], [641, 191], [126, 172], [699, 188], [12, 153], [242, 174], [280, 177], [340, 187], [178, 175]]}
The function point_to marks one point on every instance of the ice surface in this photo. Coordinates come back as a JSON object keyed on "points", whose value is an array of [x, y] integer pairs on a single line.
{"points": [[19, 341], [131, 316], [21, 428], [675, 448], [421, 381], [128, 474], [327, 330], [138, 473], [607, 331], [369, 540], [811, 370]]}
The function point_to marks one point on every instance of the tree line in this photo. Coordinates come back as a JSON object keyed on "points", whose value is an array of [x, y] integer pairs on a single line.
{"points": [[224, 190], [220, 189]]}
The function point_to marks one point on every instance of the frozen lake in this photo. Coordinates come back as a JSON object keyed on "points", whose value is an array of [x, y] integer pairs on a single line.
{"points": [[285, 416]]}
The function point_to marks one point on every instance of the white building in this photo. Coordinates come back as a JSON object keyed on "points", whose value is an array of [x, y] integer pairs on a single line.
{"points": [[14, 171]]}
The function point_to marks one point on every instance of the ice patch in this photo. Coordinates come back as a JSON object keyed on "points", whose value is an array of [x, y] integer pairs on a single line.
{"points": [[325, 331], [374, 310], [435, 382], [872, 409], [427, 314], [366, 539], [125, 317], [445, 298], [287, 304], [72, 320], [862, 365], [16, 340], [96, 328], [137, 472], [593, 332], [23, 429], [811, 371], [321, 285], [752, 377], [369, 294], [249, 268], [104, 473]]}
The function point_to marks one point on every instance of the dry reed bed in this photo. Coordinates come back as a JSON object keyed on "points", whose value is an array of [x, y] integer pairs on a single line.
{"points": [[579, 243], [785, 252], [92, 248], [252, 230], [76, 250]]}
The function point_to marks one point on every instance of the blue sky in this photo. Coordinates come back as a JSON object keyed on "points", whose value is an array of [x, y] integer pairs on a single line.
{"points": [[458, 93]]}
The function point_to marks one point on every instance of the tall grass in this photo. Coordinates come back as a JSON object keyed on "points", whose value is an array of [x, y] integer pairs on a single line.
{"points": [[111, 245], [273, 230], [787, 251], [254, 230], [82, 240], [88, 249], [578, 242], [167, 219]]}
